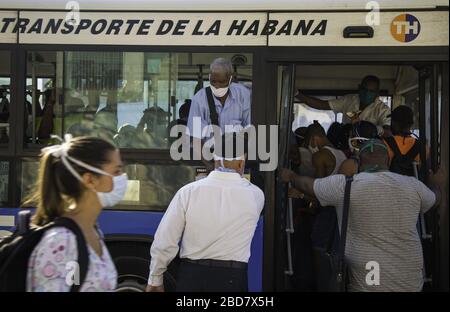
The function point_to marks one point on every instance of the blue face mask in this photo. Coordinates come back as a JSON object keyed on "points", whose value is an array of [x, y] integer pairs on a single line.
{"points": [[367, 97]]}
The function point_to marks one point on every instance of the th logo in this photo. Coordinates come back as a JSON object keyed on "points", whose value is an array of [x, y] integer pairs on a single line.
{"points": [[405, 28]]}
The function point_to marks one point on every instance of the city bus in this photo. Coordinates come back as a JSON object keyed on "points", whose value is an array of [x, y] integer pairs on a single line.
{"points": [[121, 70]]}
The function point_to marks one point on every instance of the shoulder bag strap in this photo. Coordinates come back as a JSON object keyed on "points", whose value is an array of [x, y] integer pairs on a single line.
{"points": [[83, 253], [212, 107], [343, 236]]}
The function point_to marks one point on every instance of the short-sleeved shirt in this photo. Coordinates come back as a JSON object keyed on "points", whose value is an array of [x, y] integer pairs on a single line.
{"points": [[383, 213], [376, 113], [235, 111], [52, 261]]}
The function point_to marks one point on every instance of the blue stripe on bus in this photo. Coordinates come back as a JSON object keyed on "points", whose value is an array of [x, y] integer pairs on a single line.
{"points": [[146, 223]]}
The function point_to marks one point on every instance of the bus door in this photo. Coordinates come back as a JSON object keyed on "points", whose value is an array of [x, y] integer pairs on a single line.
{"points": [[430, 122], [442, 284], [284, 249]]}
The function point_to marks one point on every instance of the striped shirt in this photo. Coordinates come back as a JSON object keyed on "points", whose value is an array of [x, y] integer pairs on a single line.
{"points": [[383, 214]]}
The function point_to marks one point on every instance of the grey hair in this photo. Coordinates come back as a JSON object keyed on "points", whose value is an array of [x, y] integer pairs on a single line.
{"points": [[221, 65]]}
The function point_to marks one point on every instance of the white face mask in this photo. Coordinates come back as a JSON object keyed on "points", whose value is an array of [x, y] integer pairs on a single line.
{"points": [[120, 183], [107, 199], [117, 194], [220, 92], [353, 143]]}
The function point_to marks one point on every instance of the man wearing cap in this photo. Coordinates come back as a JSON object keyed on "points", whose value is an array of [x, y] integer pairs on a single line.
{"points": [[215, 218], [383, 213]]}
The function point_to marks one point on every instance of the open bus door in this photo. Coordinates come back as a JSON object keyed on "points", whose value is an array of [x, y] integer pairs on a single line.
{"points": [[284, 261], [432, 128]]}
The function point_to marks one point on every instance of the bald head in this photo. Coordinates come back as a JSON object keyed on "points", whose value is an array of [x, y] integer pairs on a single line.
{"points": [[374, 156]]}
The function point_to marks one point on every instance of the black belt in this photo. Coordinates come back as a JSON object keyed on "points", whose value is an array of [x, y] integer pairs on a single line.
{"points": [[217, 263]]}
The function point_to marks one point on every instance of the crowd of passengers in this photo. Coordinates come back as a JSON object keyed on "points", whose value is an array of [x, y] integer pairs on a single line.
{"points": [[210, 223], [379, 150]]}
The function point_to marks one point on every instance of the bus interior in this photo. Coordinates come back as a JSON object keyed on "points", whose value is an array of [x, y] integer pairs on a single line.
{"points": [[417, 85]]}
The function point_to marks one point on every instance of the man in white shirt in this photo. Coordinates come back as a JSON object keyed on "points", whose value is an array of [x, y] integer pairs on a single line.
{"points": [[366, 105], [383, 213], [215, 218]]}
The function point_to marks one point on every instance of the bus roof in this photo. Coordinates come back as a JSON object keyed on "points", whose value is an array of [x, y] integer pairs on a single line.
{"points": [[214, 5]]}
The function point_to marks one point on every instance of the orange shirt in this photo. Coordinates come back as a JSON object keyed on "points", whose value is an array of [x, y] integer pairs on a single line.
{"points": [[404, 145]]}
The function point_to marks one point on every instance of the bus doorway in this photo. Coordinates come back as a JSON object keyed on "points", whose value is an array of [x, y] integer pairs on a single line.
{"points": [[418, 86]]}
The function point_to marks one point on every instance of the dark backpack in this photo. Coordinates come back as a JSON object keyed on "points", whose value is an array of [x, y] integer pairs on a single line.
{"points": [[403, 164], [16, 249]]}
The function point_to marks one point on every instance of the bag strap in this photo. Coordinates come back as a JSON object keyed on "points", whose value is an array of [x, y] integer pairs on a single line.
{"points": [[343, 236], [393, 145], [83, 253], [414, 150], [212, 107], [331, 238]]}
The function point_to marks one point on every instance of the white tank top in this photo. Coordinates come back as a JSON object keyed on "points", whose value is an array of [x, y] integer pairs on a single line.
{"points": [[339, 158]]}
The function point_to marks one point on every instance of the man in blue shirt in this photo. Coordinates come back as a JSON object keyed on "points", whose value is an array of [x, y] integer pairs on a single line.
{"points": [[231, 101]]}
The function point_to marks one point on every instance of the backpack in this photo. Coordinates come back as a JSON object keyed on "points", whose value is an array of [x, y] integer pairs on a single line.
{"points": [[403, 164], [16, 249]]}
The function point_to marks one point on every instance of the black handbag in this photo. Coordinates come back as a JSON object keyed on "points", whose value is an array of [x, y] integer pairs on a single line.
{"points": [[338, 267]]}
